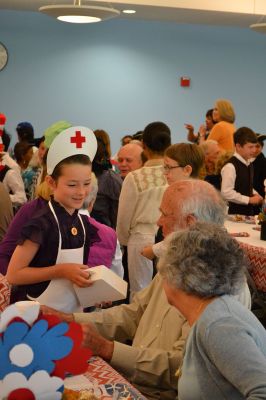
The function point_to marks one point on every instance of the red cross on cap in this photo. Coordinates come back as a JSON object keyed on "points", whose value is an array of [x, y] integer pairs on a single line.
{"points": [[78, 139]]}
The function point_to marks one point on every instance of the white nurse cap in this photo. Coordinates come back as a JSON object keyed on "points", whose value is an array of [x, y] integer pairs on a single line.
{"points": [[72, 141]]}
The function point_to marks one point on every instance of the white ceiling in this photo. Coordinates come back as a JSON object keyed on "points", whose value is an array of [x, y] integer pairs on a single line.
{"points": [[238, 13]]}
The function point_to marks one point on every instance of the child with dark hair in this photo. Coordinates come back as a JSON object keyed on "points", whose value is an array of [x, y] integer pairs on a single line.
{"points": [[23, 153], [139, 203], [237, 175]]}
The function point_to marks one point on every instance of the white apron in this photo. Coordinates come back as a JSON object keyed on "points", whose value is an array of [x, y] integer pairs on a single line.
{"points": [[60, 293]]}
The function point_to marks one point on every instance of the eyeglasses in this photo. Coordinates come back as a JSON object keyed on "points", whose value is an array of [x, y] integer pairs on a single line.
{"points": [[167, 168]]}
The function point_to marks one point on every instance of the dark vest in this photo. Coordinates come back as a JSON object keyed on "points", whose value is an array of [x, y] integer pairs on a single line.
{"points": [[259, 166], [243, 185], [3, 172]]}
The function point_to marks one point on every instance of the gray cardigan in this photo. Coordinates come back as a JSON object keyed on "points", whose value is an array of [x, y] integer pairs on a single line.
{"points": [[225, 355]]}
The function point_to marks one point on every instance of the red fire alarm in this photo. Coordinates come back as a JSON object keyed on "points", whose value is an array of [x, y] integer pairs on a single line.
{"points": [[184, 81]]}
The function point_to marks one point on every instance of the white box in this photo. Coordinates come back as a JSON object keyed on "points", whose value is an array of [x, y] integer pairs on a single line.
{"points": [[107, 286]]}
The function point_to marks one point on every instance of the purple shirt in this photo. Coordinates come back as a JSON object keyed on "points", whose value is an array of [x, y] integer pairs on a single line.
{"points": [[34, 221], [102, 252], [10, 240]]}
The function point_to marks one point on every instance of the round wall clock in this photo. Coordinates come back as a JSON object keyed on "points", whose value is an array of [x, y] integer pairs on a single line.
{"points": [[3, 56]]}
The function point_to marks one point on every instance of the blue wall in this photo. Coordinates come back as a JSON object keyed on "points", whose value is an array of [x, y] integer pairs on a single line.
{"points": [[120, 75]]}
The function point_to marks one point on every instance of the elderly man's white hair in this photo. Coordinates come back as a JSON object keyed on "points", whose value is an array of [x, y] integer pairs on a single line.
{"points": [[197, 198], [206, 203]]}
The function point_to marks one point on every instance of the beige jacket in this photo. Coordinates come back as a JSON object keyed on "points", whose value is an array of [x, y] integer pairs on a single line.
{"points": [[158, 333]]}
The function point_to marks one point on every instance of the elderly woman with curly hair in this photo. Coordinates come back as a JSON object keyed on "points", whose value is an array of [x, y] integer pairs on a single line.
{"points": [[225, 355]]}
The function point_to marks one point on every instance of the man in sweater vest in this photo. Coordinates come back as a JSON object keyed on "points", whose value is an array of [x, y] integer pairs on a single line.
{"points": [[237, 175]]}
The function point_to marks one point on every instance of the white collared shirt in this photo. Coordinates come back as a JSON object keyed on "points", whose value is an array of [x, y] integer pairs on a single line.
{"points": [[228, 182]]}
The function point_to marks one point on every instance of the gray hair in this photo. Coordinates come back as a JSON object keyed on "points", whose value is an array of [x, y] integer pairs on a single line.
{"points": [[203, 260], [203, 201], [93, 192]]}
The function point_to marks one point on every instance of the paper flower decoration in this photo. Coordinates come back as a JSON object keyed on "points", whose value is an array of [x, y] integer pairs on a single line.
{"points": [[27, 311], [37, 352], [77, 360], [29, 349], [39, 386]]}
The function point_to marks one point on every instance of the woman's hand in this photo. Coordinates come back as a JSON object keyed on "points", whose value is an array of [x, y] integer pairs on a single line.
{"points": [[202, 130], [190, 128]]}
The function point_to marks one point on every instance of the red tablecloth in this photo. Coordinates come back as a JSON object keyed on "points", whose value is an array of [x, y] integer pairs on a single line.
{"points": [[102, 380], [257, 260], [254, 248]]}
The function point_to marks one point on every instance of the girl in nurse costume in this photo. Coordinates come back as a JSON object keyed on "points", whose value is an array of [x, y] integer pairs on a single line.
{"points": [[53, 248]]}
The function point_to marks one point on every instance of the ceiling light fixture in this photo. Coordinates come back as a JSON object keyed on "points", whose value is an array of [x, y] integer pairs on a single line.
{"points": [[129, 11], [79, 14], [259, 26]]}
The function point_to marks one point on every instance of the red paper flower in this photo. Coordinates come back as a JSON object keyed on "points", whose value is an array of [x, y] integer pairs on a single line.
{"points": [[77, 361], [21, 394]]}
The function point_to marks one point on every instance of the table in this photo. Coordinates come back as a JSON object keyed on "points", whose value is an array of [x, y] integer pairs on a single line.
{"points": [[4, 293], [103, 381], [255, 250]]}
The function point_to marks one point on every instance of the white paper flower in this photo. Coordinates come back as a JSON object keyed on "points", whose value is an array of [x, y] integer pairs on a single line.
{"points": [[27, 310], [41, 384]]}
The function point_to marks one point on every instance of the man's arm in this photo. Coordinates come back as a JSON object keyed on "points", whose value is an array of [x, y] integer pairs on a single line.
{"points": [[148, 366], [119, 323], [151, 364]]}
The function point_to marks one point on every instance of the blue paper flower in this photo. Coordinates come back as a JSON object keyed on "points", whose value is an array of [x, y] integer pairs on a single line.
{"points": [[27, 349]]}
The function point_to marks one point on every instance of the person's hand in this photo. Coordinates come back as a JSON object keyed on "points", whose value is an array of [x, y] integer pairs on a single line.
{"points": [[202, 131], [51, 311], [148, 252], [96, 342], [76, 273], [255, 199], [189, 127]]}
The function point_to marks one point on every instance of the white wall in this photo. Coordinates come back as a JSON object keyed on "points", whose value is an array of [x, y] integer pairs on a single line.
{"points": [[120, 75]]}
